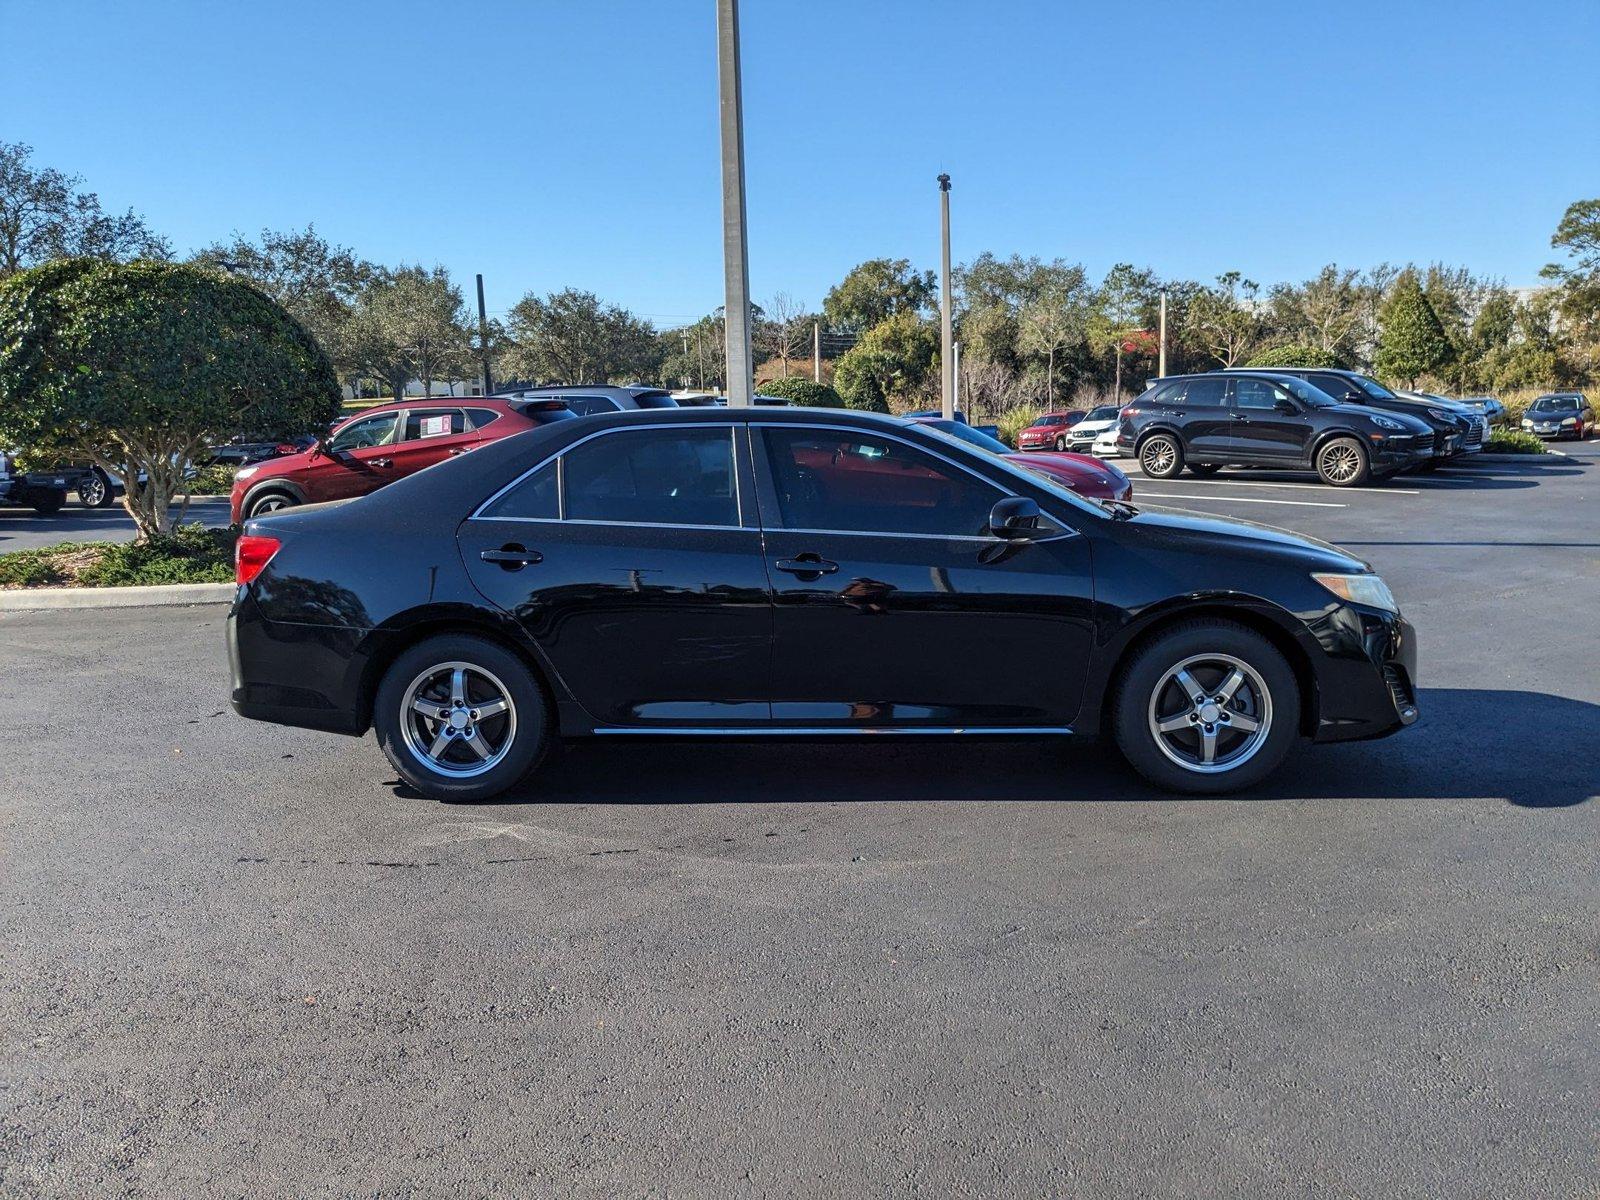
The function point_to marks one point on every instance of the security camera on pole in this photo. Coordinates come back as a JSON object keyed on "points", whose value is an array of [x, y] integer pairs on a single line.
{"points": [[946, 334]]}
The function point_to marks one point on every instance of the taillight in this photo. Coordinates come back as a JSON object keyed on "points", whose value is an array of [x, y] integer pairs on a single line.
{"points": [[1125, 415], [251, 556], [284, 448]]}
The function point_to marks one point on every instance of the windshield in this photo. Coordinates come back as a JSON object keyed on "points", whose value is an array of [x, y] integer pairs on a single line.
{"points": [[1106, 412], [655, 400], [1373, 388], [1555, 403], [966, 433]]}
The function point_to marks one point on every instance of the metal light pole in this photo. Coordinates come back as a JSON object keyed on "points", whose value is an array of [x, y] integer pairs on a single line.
{"points": [[1161, 369], [955, 373], [946, 334], [816, 352], [483, 337], [735, 255]]}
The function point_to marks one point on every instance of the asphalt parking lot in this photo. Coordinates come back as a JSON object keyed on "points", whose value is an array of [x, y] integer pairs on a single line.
{"points": [[24, 529], [243, 960]]}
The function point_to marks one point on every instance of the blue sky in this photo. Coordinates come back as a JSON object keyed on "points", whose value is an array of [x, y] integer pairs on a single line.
{"points": [[550, 143]]}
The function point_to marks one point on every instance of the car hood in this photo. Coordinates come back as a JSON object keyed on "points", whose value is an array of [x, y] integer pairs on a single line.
{"points": [[1094, 426], [1420, 422], [1229, 533], [1074, 466]]}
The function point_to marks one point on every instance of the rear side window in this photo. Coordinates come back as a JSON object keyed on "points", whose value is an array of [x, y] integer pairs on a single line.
{"points": [[483, 416], [1206, 393], [586, 406], [534, 499], [653, 477]]}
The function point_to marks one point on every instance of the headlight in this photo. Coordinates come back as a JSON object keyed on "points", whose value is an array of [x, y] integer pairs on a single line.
{"points": [[1570, 421], [1439, 414], [1527, 424], [1360, 589], [1386, 423], [245, 472]]}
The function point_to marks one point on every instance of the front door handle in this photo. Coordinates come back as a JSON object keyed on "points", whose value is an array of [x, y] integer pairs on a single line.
{"points": [[512, 556], [380, 462], [807, 564]]}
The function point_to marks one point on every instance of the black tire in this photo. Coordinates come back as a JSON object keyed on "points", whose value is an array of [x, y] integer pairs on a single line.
{"points": [[95, 490], [1061, 443], [48, 504], [269, 502], [1161, 456], [1132, 714], [1204, 470], [527, 725], [1343, 462]]}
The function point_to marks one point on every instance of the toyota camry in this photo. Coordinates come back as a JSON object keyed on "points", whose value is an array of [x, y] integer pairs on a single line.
{"points": [[784, 573]]}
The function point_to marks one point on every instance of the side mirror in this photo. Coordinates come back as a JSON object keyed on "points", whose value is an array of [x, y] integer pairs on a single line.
{"points": [[1014, 517], [1287, 407]]}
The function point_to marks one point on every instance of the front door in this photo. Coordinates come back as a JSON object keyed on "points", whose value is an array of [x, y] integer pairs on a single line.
{"points": [[1269, 426], [356, 460], [893, 605], [634, 562]]}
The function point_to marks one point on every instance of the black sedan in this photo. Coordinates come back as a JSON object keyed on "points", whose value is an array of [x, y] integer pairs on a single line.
{"points": [[797, 573]]}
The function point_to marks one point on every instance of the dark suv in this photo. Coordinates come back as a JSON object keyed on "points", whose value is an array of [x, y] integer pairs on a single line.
{"points": [[1456, 429], [1265, 419]]}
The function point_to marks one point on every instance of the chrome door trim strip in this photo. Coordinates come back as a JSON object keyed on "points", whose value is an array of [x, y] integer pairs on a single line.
{"points": [[832, 731]]}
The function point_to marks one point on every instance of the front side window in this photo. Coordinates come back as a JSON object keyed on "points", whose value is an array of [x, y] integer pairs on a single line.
{"points": [[856, 482], [422, 423], [1256, 393], [653, 477], [367, 432]]}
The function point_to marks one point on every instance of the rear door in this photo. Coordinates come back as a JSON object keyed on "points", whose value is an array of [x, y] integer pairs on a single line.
{"points": [[894, 606], [634, 560], [431, 435], [1263, 432], [1199, 407]]}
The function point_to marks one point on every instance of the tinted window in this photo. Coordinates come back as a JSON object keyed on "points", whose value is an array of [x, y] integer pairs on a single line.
{"points": [[534, 497], [658, 400], [369, 431], [1256, 393], [436, 422], [653, 477], [831, 479], [1206, 393], [586, 406], [1106, 412], [1336, 386], [483, 416]]}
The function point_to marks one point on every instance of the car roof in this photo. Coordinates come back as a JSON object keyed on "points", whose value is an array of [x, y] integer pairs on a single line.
{"points": [[627, 392]]}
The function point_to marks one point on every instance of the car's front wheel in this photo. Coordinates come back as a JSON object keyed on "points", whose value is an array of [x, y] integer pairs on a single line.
{"points": [[1160, 456], [1343, 462], [1208, 706], [461, 718], [1061, 442], [271, 502], [95, 490]]}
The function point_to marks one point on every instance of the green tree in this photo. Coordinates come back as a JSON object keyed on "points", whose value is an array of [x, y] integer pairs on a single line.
{"points": [[1413, 342], [1225, 319], [876, 290], [571, 336], [43, 216], [410, 323], [140, 367], [1578, 280], [1324, 311], [866, 378], [1295, 354], [797, 389]]}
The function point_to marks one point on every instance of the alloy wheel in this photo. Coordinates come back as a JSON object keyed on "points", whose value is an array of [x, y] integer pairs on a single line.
{"points": [[1341, 463], [268, 504], [458, 719], [92, 490], [1210, 713], [1158, 456]]}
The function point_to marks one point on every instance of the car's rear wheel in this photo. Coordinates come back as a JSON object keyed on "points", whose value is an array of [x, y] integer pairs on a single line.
{"points": [[48, 504], [1204, 469], [95, 490], [1343, 462], [461, 718], [1208, 706], [1160, 456], [271, 502]]}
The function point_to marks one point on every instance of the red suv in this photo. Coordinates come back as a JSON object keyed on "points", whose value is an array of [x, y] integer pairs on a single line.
{"points": [[1049, 432], [381, 445]]}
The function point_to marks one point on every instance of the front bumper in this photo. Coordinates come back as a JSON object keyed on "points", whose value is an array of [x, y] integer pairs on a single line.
{"points": [[1366, 683], [1395, 454]]}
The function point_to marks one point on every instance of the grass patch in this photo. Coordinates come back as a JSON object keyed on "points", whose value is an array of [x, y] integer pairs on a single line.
{"points": [[1513, 441], [192, 554]]}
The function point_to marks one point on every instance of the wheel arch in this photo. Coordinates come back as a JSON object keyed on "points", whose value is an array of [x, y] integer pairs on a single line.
{"points": [[273, 483], [1257, 616]]}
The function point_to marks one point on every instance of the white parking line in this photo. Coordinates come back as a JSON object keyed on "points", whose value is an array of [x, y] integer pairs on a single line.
{"points": [[1310, 487], [1142, 496]]}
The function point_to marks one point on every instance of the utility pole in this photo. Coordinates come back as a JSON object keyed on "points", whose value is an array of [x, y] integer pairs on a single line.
{"points": [[946, 335], [735, 255], [483, 337], [1161, 369], [955, 373], [816, 352]]}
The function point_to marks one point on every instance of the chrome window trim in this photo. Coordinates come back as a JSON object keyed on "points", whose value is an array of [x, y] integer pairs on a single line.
{"points": [[1019, 472], [559, 458]]}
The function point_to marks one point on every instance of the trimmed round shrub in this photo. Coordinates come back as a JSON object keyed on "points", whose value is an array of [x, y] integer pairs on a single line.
{"points": [[797, 389], [1295, 354]]}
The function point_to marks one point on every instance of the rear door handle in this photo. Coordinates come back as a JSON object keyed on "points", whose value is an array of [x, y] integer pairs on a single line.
{"points": [[380, 462], [512, 556], [807, 564]]}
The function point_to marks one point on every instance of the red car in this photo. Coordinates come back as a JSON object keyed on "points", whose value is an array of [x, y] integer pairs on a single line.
{"points": [[1049, 430], [1081, 473], [381, 445]]}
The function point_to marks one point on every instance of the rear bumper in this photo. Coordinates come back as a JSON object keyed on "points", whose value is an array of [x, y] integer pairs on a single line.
{"points": [[1367, 682], [304, 675]]}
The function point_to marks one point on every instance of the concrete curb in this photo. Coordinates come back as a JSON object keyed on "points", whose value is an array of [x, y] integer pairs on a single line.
{"points": [[34, 599]]}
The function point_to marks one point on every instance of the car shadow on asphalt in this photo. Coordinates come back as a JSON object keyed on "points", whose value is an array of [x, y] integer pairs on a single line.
{"points": [[1528, 748]]}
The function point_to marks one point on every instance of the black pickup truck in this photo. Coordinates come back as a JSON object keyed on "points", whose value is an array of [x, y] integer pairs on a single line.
{"points": [[43, 491]]}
